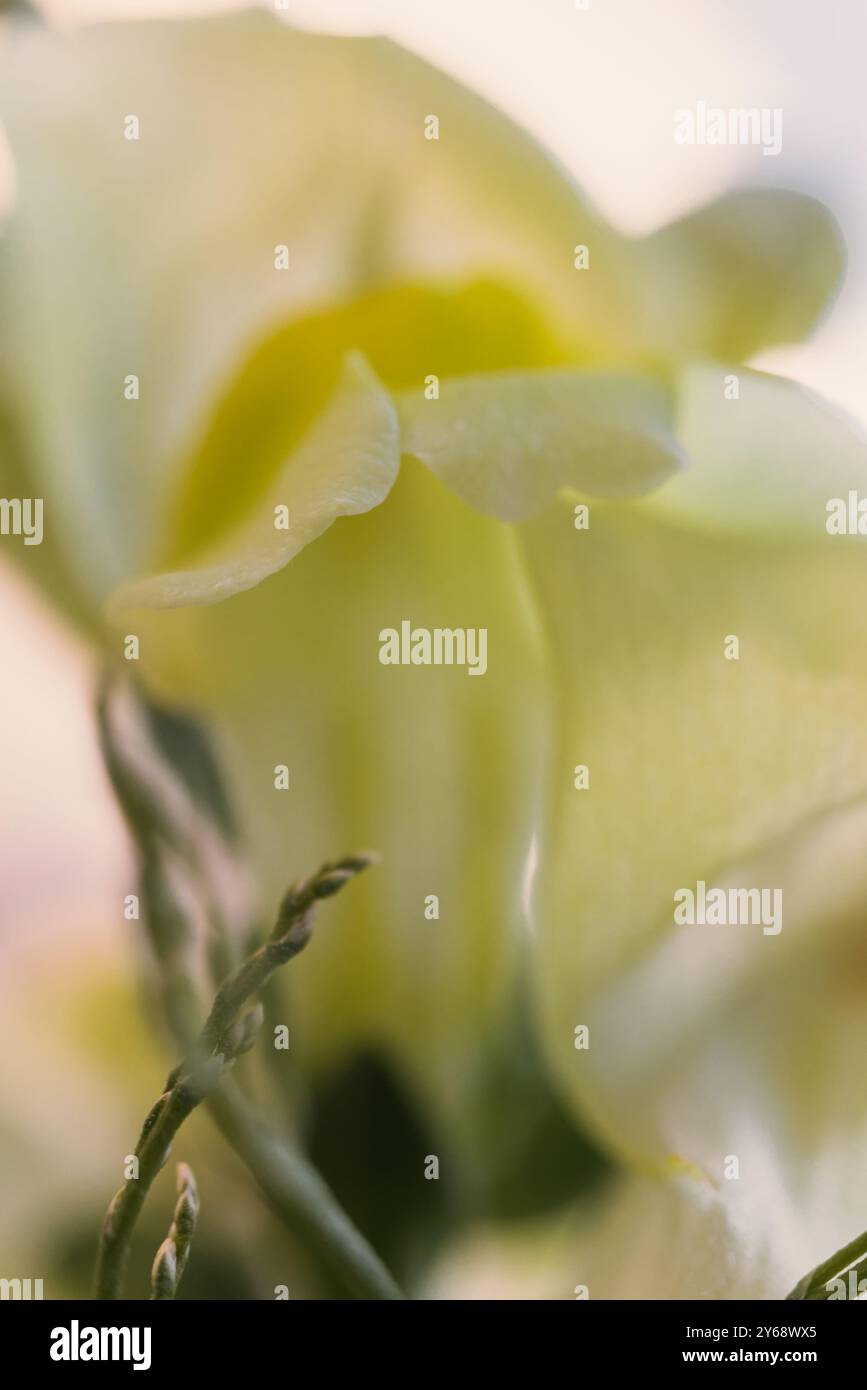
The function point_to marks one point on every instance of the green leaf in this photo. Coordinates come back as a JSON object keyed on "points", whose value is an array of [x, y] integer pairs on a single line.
{"points": [[814, 1287]]}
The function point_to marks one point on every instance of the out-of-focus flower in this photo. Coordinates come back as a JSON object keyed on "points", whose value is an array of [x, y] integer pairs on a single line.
{"points": [[436, 380], [717, 1043], [647, 1239]]}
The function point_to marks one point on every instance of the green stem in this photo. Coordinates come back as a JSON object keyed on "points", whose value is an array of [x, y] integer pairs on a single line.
{"points": [[295, 1190], [152, 1151], [301, 1199], [171, 1258], [298, 1195]]}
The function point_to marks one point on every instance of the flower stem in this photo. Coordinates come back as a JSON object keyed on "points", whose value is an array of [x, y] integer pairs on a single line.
{"points": [[152, 1151], [294, 1188], [298, 1195], [304, 1203], [171, 1258]]}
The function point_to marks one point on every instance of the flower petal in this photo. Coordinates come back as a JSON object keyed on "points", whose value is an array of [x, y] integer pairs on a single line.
{"points": [[505, 441], [671, 1238], [162, 276], [751, 270], [766, 462], [699, 767], [345, 465], [405, 332], [413, 761], [659, 1239]]}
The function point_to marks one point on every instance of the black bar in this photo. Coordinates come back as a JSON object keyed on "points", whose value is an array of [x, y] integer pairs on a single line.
{"points": [[184, 1339]]}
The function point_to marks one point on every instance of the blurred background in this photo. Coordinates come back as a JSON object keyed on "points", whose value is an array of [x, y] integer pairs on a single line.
{"points": [[598, 86]]}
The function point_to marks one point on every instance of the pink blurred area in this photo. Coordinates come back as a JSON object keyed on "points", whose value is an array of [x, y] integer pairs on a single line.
{"points": [[63, 854], [65, 866]]}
